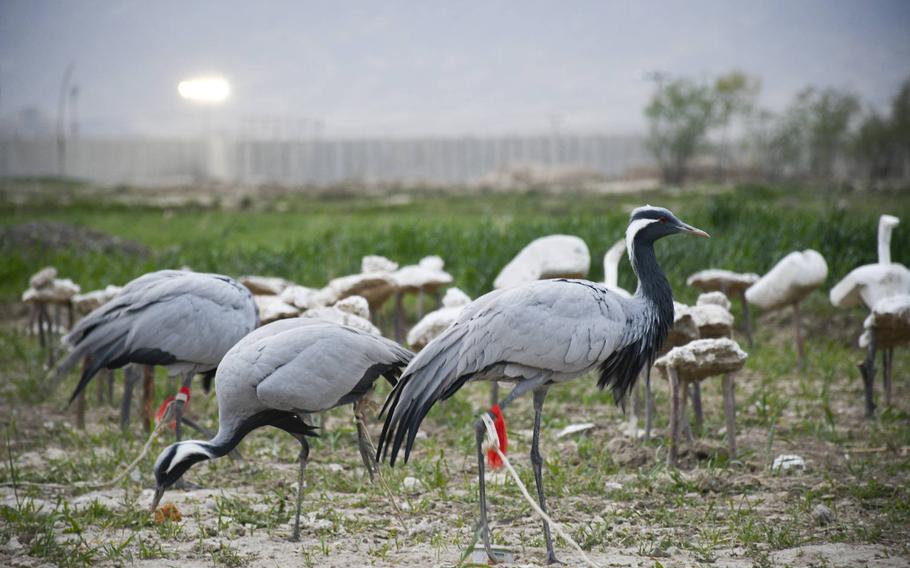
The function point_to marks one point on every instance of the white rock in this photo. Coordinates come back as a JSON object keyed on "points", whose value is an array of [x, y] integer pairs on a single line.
{"points": [[684, 328], [427, 275], [352, 311], [786, 462], [301, 297], [712, 316], [375, 286], [43, 277], [713, 299], [85, 303], [58, 291], [719, 280], [54, 454], [574, 428], [412, 485], [553, 256], [375, 263], [334, 468], [704, 358], [435, 322], [273, 308], [265, 285], [791, 280], [354, 305], [455, 298], [612, 486]]}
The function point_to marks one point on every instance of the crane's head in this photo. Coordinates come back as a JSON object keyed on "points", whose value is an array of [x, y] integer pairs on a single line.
{"points": [[173, 462], [649, 223]]}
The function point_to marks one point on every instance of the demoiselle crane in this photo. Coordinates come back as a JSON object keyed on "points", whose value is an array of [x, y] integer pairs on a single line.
{"points": [[536, 335], [276, 376], [185, 321]]}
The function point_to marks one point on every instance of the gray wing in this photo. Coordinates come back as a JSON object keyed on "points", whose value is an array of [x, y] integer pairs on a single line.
{"points": [[165, 318], [547, 330], [304, 365]]}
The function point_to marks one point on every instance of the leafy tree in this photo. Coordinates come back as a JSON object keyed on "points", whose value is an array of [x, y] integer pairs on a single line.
{"points": [[900, 121], [734, 94], [874, 147], [825, 117], [680, 115]]}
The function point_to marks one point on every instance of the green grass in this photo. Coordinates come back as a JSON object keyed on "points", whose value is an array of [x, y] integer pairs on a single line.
{"points": [[310, 240], [711, 505]]}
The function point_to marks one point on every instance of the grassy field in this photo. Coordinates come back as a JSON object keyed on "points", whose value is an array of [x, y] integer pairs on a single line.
{"points": [[614, 494]]}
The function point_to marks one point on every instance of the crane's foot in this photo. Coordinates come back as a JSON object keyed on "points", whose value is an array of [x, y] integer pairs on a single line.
{"points": [[551, 559]]}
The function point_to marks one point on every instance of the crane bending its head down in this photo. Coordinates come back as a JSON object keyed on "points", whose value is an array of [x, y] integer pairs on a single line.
{"points": [[539, 334], [276, 376]]}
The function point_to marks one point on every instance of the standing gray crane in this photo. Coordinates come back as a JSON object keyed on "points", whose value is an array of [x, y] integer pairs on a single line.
{"points": [[185, 321], [276, 376], [536, 335]]}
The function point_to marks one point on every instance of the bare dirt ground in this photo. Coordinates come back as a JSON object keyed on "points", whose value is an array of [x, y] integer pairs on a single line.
{"points": [[849, 505]]}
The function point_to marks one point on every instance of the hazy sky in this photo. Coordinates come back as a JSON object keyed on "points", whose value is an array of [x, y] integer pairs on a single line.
{"points": [[395, 68]]}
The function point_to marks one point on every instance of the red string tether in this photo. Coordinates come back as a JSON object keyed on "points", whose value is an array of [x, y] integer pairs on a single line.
{"points": [[184, 395], [499, 421]]}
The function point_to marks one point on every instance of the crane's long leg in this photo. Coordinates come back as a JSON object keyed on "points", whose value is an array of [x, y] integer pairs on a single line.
{"points": [[131, 376], [181, 403], [480, 429], [537, 462], [367, 453], [632, 426], [148, 396], [649, 404], [304, 456]]}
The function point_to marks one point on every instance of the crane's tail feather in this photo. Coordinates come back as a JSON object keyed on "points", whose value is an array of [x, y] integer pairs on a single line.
{"points": [[95, 364], [430, 377]]}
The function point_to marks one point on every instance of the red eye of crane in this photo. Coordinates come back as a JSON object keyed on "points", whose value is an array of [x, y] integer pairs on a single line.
{"points": [[663, 219]]}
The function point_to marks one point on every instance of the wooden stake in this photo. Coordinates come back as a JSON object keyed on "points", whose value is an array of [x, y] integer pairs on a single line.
{"points": [[730, 413], [674, 416], [797, 329], [697, 409], [887, 363], [747, 319]]}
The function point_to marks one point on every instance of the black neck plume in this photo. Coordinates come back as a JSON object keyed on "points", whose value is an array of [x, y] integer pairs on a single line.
{"points": [[646, 328]]}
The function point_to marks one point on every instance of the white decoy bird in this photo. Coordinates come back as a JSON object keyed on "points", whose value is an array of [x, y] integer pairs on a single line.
{"points": [[276, 376], [611, 268], [185, 321], [539, 334], [871, 283]]}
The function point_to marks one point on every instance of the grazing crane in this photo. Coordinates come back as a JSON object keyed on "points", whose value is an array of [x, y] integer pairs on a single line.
{"points": [[276, 376], [185, 321], [536, 335]]}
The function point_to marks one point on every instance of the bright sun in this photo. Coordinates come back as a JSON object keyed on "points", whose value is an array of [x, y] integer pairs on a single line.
{"points": [[205, 89]]}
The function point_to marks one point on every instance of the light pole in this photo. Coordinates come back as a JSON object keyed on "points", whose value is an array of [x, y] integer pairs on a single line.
{"points": [[61, 120]]}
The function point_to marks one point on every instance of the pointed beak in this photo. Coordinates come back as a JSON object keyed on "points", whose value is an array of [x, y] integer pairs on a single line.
{"points": [[159, 492], [696, 232]]}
